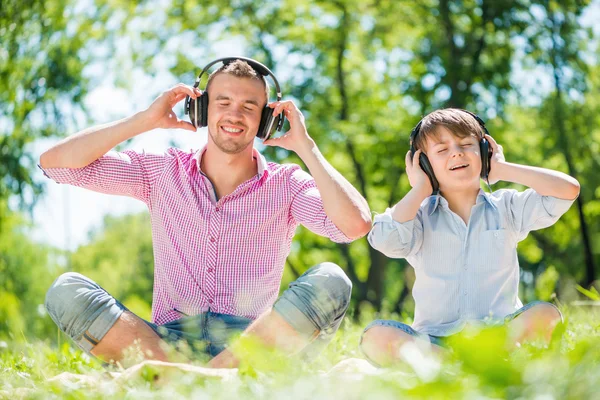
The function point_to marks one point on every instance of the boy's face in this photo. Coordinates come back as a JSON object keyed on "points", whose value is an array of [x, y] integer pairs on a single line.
{"points": [[456, 161], [234, 110]]}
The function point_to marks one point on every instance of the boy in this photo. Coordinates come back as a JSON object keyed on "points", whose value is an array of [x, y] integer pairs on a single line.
{"points": [[462, 242]]}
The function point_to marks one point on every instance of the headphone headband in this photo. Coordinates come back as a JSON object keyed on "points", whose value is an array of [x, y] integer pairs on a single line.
{"points": [[261, 69]]}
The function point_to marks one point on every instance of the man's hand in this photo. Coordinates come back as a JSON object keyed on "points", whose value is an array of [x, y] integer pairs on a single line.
{"points": [[160, 113], [297, 138], [416, 176], [496, 162]]}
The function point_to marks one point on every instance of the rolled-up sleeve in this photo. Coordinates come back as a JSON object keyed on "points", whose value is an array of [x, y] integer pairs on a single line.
{"points": [[125, 173], [396, 239], [307, 207], [531, 211]]}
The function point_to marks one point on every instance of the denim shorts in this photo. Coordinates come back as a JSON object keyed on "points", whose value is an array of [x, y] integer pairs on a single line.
{"points": [[441, 340], [314, 305]]}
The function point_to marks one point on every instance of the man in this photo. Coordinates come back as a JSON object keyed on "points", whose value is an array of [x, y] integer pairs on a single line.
{"points": [[222, 225]]}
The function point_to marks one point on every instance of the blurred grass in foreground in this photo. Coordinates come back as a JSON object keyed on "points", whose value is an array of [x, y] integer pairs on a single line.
{"points": [[479, 367]]}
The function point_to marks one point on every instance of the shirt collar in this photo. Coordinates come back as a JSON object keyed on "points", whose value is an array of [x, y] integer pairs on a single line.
{"points": [[261, 162], [437, 199]]}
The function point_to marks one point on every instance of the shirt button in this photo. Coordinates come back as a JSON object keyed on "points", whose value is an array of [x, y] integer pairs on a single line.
{"points": [[495, 234], [210, 270], [465, 293], [212, 239], [217, 209], [210, 301]]}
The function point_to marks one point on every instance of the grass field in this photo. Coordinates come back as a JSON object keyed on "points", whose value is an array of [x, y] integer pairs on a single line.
{"points": [[479, 367]]}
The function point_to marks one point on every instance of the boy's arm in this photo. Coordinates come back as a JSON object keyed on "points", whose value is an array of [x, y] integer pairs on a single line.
{"points": [[407, 208], [544, 181], [398, 232], [82, 148]]}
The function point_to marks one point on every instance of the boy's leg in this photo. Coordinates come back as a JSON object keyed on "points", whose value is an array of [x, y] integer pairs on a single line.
{"points": [[536, 320], [98, 323], [313, 306], [382, 341]]}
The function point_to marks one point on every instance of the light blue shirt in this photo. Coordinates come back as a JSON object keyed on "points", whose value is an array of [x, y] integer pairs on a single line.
{"points": [[465, 272]]}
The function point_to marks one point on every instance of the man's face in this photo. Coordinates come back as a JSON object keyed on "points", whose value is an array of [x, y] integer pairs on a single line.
{"points": [[456, 161], [234, 110]]}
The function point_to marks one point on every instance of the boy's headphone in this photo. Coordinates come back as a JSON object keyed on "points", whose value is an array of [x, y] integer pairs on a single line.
{"points": [[197, 108], [484, 148]]}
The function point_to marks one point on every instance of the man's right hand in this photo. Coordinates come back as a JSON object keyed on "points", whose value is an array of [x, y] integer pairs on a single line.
{"points": [[416, 176], [160, 113]]}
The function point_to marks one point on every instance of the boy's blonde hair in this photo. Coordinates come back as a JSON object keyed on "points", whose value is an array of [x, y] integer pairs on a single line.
{"points": [[457, 121]]}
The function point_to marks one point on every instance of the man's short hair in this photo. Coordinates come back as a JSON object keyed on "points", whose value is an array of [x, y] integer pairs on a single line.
{"points": [[459, 122], [240, 69]]}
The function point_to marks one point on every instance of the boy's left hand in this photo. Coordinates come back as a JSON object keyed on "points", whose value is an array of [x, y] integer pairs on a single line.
{"points": [[496, 161]]}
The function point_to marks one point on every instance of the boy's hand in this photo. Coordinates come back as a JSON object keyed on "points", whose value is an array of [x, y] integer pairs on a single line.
{"points": [[417, 178], [496, 161]]}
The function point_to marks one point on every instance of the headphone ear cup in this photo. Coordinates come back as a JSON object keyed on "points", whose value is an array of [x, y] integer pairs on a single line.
{"points": [[190, 109], [203, 109], [426, 167], [266, 123], [486, 156]]}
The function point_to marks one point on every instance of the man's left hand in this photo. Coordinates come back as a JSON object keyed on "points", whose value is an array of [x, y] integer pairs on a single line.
{"points": [[297, 138]]}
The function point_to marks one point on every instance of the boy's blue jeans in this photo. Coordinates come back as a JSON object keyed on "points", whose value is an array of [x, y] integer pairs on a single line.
{"points": [[316, 301], [438, 340]]}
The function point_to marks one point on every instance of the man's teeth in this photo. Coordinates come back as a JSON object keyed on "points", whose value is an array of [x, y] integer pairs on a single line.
{"points": [[232, 130], [458, 166]]}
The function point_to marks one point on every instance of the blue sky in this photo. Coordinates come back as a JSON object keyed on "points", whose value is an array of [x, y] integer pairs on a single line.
{"points": [[65, 215]]}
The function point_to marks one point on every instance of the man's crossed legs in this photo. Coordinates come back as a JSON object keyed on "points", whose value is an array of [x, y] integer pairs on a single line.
{"points": [[309, 312]]}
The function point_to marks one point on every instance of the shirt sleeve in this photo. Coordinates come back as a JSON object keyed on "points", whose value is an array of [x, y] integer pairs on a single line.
{"points": [[125, 173], [531, 211], [396, 239], [307, 207]]}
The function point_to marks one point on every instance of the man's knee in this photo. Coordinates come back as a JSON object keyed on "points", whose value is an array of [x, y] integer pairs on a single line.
{"points": [[330, 284], [63, 291]]}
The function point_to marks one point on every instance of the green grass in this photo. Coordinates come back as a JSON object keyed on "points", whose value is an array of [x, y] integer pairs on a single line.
{"points": [[479, 367]]}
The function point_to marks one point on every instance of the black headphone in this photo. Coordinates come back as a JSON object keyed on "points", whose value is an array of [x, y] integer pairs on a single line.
{"points": [[197, 109], [484, 148]]}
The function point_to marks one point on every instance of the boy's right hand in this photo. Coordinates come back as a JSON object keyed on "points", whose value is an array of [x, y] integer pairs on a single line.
{"points": [[160, 113], [416, 176]]}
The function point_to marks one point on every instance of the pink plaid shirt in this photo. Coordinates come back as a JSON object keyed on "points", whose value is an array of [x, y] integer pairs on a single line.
{"points": [[226, 256]]}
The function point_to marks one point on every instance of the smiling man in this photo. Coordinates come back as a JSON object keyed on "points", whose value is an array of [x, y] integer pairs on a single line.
{"points": [[223, 219]]}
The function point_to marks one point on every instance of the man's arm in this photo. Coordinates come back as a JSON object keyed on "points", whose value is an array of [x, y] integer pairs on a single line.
{"points": [[84, 147], [343, 204], [544, 181]]}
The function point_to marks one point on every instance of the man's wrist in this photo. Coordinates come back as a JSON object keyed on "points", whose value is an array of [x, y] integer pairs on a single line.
{"points": [[306, 149], [142, 121]]}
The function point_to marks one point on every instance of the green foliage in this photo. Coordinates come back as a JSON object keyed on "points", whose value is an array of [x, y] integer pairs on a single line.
{"points": [[480, 366], [119, 257], [26, 271]]}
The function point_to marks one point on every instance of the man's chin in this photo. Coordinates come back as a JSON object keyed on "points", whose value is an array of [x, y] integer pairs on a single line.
{"points": [[233, 148]]}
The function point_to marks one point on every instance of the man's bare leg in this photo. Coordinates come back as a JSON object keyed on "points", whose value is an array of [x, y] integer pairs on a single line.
{"points": [[273, 331], [124, 333]]}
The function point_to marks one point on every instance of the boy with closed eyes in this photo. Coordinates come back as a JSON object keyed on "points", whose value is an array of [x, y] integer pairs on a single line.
{"points": [[461, 241]]}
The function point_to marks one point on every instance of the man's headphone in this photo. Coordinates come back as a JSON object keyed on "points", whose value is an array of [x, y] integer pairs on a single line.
{"points": [[197, 108], [484, 148]]}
